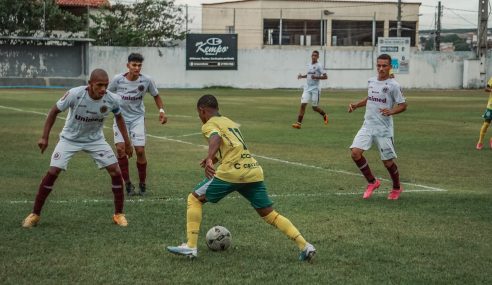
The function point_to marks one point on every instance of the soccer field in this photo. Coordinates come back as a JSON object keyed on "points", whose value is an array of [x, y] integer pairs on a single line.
{"points": [[439, 231]]}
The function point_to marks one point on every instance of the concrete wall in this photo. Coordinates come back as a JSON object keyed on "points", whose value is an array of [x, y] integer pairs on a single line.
{"points": [[274, 68]]}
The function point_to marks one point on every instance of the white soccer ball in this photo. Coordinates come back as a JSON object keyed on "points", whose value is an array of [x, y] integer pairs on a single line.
{"points": [[218, 238]]}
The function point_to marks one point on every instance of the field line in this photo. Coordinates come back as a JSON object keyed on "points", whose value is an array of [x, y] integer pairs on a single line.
{"points": [[174, 199], [429, 188]]}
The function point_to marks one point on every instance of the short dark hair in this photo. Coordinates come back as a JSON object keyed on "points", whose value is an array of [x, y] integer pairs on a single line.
{"points": [[207, 100], [315, 51], [135, 57], [385, 56]]}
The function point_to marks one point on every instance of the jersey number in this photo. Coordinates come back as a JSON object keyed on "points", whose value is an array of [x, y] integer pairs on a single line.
{"points": [[237, 134]]}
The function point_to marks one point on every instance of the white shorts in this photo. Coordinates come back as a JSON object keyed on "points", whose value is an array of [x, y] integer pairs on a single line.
{"points": [[311, 96], [99, 150], [364, 140], [136, 132]]}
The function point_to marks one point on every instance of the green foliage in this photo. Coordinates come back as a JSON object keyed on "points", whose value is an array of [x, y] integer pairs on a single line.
{"points": [[145, 23], [428, 43], [424, 238], [37, 18], [459, 43]]}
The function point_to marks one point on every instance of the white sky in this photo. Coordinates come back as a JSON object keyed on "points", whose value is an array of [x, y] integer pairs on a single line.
{"points": [[456, 13]]}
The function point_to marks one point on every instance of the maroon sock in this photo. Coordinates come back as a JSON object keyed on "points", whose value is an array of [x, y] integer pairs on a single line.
{"points": [[364, 168], [299, 119], [117, 187], [123, 162], [43, 191], [142, 171], [395, 175], [322, 113]]}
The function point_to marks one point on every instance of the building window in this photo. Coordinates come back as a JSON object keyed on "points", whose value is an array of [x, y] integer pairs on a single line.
{"points": [[355, 33], [408, 29], [294, 32], [271, 30]]}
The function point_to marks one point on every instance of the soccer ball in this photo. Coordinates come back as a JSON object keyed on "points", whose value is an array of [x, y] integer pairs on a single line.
{"points": [[218, 238]]}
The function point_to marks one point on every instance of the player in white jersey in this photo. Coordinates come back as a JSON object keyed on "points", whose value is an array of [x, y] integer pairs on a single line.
{"points": [[312, 91], [384, 100], [83, 131], [131, 88]]}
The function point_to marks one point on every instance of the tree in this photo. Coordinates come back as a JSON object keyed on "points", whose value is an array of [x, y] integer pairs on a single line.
{"points": [[37, 18], [146, 23], [459, 43]]}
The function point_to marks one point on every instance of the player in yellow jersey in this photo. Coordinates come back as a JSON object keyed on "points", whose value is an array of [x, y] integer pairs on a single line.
{"points": [[237, 171], [487, 117]]}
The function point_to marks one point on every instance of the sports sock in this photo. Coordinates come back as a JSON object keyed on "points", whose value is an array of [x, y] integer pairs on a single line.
{"points": [[43, 191], [395, 176], [322, 113], [299, 119], [193, 220], [117, 188], [142, 171], [123, 163], [483, 130], [285, 226], [364, 168]]}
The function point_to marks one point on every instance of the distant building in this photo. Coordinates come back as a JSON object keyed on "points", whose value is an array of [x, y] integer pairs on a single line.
{"points": [[446, 47], [270, 23], [80, 7]]}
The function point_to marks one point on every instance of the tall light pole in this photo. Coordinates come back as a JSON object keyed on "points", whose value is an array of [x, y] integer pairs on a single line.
{"points": [[398, 18], [483, 17]]}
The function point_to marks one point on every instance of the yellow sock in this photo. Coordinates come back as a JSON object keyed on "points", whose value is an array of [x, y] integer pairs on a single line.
{"points": [[285, 226], [483, 130], [193, 220]]}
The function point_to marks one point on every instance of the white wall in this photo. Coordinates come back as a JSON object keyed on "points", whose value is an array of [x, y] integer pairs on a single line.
{"points": [[278, 68]]}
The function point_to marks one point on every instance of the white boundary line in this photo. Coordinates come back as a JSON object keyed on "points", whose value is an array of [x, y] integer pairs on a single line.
{"points": [[174, 199], [429, 188]]}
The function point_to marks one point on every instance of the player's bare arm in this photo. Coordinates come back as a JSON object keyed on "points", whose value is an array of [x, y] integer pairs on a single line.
{"points": [[48, 124], [160, 106], [213, 147], [120, 122], [395, 110], [300, 76], [321, 77], [353, 106]]}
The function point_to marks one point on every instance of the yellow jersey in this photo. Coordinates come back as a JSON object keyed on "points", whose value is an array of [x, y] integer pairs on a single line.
{"points": [[236, 165], [489, 85]]}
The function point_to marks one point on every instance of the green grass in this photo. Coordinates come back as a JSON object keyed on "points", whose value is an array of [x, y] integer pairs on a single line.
{"points": [[423, 238]]}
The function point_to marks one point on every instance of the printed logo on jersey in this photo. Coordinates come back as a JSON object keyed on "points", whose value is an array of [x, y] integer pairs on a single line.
{"points": [[116, 134], [56, 156], [103, 109], [385, 89], [141, 88]]}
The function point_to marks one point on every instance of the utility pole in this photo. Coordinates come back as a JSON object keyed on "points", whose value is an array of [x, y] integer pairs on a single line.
{"points": [[398, 18], [483, 17], [186, 17], [438, 30]]}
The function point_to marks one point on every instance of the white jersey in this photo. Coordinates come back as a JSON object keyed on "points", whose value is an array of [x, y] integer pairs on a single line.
{"points": [[132, 93], [313, 69], [86, 116], [381, 95]]}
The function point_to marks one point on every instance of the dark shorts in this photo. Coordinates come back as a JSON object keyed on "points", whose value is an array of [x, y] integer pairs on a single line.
{"points": [[488, 114], [215, 189]]}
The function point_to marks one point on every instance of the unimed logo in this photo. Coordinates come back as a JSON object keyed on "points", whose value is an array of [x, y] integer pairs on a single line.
{"points": [[212, 46]]}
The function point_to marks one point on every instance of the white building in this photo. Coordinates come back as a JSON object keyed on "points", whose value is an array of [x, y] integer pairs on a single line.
{"points": [[274, 23]]}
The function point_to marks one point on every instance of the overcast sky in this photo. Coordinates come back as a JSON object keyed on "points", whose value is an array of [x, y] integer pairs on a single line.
{"points": [[456, 13]]}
